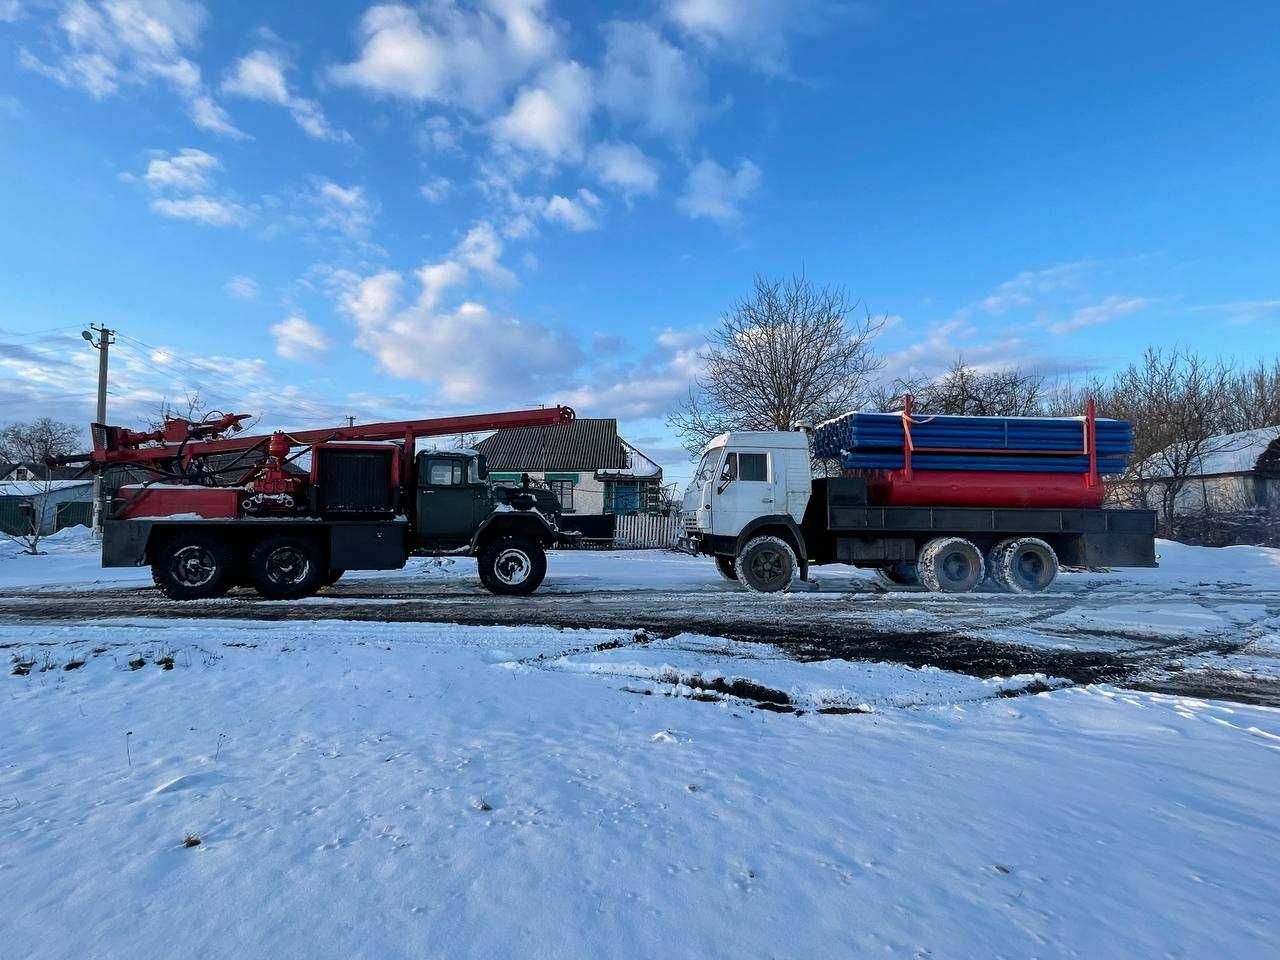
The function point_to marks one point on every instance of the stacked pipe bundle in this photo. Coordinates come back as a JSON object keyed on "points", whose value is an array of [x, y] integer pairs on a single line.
{"points": [[876, 441]]}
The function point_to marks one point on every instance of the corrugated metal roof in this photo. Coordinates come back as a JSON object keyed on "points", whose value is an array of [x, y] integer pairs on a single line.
{"points": [[582, 444]]}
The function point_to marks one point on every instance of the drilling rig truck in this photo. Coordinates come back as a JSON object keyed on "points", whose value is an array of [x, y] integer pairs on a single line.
{"points": [[288, 513]]}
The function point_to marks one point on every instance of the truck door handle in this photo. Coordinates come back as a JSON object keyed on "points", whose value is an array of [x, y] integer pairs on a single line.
{"points": [[767, 500]]}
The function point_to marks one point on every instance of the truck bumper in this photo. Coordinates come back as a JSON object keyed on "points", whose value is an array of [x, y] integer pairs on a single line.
{"points": [[690, 543]]}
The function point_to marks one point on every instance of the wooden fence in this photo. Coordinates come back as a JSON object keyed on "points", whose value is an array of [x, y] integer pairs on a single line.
{"points": [[639, 531]]}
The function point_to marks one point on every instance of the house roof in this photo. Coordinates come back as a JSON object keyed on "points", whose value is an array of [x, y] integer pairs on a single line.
{"points": [[1242, 452], [42, 472], [582, 444]]}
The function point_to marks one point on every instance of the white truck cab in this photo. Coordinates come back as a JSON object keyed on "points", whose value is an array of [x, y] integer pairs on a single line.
{"points": [[750, 485]]}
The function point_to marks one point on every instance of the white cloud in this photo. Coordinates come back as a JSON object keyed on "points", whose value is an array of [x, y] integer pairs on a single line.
{"points": [[210, 211], [1243, 311], [297, 338], [347, 210], [242, 288], [756, 32], [468, 352], [110, 44], [447, 53], [11, 11], [625, 167], [186, 171], [579, 214], [436, 189], [714, 193], [260, 75], [1111, 308], [649, 81], [438, 134], [550, 116]]}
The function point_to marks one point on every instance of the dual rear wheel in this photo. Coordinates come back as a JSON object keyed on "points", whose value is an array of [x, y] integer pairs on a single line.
{"points": [[956, 565], [200, 567]]}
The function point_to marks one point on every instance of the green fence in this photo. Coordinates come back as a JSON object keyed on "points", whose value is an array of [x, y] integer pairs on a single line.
{"points": [[74, 513], [15, 517]]}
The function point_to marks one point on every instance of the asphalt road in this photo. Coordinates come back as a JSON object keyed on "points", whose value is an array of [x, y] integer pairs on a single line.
{"points": [[1093, 632]]}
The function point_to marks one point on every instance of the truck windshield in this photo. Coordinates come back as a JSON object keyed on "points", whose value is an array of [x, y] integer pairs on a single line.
{"points": [[706, 466]]}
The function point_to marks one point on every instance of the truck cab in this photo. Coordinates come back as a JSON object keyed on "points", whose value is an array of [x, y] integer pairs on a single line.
{"points": [[751, 485]]}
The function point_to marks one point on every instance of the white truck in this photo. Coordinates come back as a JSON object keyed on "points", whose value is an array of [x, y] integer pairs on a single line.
{"points": [[754, 506]]}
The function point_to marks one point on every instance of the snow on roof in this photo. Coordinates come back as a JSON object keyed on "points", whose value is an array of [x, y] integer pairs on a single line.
{"points": [[33, 488], [1229, 453]]}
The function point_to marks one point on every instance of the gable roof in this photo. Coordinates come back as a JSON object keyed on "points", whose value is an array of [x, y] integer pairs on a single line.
{"points": [[43, 472], [582, 444]]}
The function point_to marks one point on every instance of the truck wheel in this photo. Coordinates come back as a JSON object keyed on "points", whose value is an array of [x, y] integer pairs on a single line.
{"points": [[726, 569], [512, 566], [951, 565], [901, 574], [285, 568], [193, 567], [766, 565], [1028, 565]]}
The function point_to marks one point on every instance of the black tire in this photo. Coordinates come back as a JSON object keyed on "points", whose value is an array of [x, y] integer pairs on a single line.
{"points": [[951, 565], [1027, 565], [900, 574], [767, 565], [286, 568], [724, 565], [333, 577], [512, 566], [194, 566]]}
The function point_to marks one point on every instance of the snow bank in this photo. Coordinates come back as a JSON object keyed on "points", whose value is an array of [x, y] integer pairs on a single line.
{"points": [[382, 790]]}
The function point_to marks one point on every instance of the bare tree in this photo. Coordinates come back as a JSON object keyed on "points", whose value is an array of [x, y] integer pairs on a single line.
{"points": [[968, 390], [790, 351], [1253, 396], [1177, 402], [190, 407], [35, 441]]}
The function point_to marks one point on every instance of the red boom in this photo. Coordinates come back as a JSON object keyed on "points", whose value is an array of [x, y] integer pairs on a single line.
{"points": [[180, 440]]}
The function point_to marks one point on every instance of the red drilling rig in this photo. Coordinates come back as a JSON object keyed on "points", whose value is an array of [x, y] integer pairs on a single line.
{"points": [[288, 512]]}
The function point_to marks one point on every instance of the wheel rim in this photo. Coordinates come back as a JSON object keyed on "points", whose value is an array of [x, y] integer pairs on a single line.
{"points": [[1030, 568], [956, 567], [768, 567], [512, 567], [193, 566], [288, 566]]}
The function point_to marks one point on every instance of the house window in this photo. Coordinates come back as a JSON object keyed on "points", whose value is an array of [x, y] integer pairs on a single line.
{"points": [[563, 489], [622, 498]]}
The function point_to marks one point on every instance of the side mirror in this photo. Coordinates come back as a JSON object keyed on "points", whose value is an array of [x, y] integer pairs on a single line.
{"points": [[482, 466]]}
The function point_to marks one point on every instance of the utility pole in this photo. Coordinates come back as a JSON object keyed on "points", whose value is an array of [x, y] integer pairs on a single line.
{"points": [[106, 338], [351, 421]]}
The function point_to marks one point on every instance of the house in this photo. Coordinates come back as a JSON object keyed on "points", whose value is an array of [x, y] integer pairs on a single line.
{"points": [[1233, 473], [595, 474], [36, 497]]}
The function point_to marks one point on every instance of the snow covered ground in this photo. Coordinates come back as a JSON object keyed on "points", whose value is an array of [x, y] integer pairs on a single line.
{"points": [[418, 789]]}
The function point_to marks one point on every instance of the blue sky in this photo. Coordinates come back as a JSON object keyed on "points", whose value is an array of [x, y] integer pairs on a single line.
{"points": [[389, 210]]}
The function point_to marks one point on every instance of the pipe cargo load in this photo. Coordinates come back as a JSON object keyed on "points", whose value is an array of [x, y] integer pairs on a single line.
{"points": [[913, 459]]}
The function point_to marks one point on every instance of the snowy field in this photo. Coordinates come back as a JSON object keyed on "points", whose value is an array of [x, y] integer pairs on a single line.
{"points": [[421, 789]]}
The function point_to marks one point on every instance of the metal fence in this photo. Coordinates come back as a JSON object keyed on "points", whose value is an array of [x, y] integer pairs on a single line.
{"points": [[639, 531]]}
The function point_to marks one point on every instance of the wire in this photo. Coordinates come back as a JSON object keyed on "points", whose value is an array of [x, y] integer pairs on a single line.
{"points": [[40, 333], [174, 372]]}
